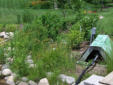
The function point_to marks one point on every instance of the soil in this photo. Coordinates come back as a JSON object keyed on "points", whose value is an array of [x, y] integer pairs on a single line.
{"points": [[3, 82]]}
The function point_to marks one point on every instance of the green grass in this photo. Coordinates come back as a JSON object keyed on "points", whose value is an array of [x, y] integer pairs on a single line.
{"points": [[105, 25], [9, 15]]}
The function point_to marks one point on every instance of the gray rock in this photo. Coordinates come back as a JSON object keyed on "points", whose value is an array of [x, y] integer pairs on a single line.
{"points": [[10, 80], [67, 79], [25, 79], [23, 83], [32, 83], [6, 72], [30, 61], [93, 80], [17, 82], [5, 66], [10, 60], [43, 81]]}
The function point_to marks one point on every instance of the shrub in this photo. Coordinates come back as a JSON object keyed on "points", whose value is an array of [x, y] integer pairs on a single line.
{"points": [[85, 25], [75, 37], [27, 16], [53, 24], [11, 27]]}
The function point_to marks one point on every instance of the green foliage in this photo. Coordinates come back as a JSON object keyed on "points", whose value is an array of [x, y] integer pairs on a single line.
{"points": [[75, 38], [109, 60], [8, 27], [2, 57], [52, 23], [77, 4], [41, 5], [85, 25], [27, 17], [19, 66], [33, 39], [105, 25]]}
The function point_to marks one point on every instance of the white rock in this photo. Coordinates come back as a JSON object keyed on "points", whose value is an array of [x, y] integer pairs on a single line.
{"points": [[6, 36], [23, 83], [101, 17], [67, 79], [49, 74], [10, 80], [25, 79], [43, 81], [32, 83], [11, 34], [32, 65], [29, 57], [6, 72], [2, 34]]}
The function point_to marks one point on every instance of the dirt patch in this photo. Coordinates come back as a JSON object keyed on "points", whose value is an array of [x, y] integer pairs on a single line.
{"points": [[3, 82], [98, 69]]}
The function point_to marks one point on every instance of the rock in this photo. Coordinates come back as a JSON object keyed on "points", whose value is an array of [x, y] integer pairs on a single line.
{"points": [[29, 57], [23, 83], [93, 80], [67, 79], [43, 81], [17, 82], [10, 60], [2, 34], [25, 79], [32, 83], [49, 74], [11, 34], [5, 66], [101, 17], [13, 74], [32, 65], [6, 72], [10, 80], [30, 61]]}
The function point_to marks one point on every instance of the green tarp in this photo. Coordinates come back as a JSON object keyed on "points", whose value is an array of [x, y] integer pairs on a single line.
{"points": [[102, 44]]}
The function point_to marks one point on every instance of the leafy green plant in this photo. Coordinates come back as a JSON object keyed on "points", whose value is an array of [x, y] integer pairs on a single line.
{"points": [[27, 16], [2, 57], [75, 37], [53, 24], [11, 27], [85, 24]]}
